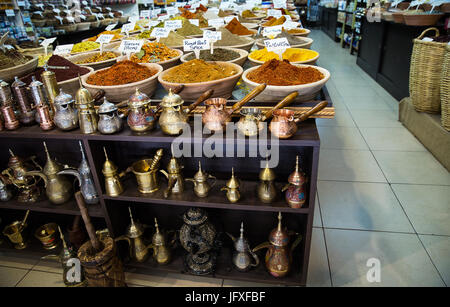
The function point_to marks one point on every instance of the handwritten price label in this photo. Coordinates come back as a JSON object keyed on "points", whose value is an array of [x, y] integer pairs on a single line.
{"points": [[171, 11], [195, 44], [110, 27], [105, 38], [172, 24], [163, 17], [63, 49], [160, 32], [131, 46], [274, 13], [195, 22], [145, 14], [272, 31], [216, 23], [277, 44], [213, 36], [48, 41], [227, 19], [128, 27], [279, 4]]}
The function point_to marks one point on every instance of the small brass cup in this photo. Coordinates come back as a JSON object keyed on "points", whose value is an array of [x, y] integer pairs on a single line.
{"points": [[147, 179], [48, 235], [15, 233]]}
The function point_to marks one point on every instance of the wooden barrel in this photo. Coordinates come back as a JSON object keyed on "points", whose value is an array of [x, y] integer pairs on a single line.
{"points": [[102, 269]]}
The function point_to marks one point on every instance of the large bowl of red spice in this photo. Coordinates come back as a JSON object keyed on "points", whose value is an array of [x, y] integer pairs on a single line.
{"points": [[283, 78], [121, 80]]}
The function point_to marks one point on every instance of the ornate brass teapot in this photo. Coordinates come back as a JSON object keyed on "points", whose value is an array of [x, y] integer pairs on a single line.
{"points": [[66, 117], [57, 187], [174, 177], [279, 254], [232, 188], [243, 257], [295, 190], [266, 188], [162, 253], [110, 121], [113, 185], [200, 181]]}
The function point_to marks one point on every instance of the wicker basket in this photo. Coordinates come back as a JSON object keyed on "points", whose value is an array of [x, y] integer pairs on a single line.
{"points": [[445, 91], [425, 73]]}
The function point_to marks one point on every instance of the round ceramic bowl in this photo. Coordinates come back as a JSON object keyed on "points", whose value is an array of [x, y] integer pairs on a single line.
{"points": [[96, 65], [8, 74], [118, 93], [222, 87], [71, 86], [246, 46], [254, 32], [250, 26], [306, 45], [311, 61], [304, 34], [239, 61], [172, 62], [275, 93]]}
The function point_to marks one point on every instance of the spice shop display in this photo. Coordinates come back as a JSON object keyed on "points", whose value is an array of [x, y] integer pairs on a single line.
{"points": [[110, 121], [230, 40], [17, 232], [173, 40], [278, 257], [85, 46], [57, 187], [232, 188], [200, 181], [219, 54], [84, 177], [243, 258], [65, 117], [174, 176], [123, 72], [293, 55], [113, 184], [98, 57], [272, 21], [295, 189]]}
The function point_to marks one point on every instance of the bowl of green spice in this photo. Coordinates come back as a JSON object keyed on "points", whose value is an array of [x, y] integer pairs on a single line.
{"points": [[223, 54]]}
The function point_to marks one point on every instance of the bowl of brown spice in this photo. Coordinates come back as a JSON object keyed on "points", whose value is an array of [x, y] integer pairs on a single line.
{"points": [[121, 80], [283, 78], [95, 60], [224, 54], [198, 76]]}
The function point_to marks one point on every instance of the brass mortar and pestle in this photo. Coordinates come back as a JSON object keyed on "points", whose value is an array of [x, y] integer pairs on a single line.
{"points": [[15, 232]]}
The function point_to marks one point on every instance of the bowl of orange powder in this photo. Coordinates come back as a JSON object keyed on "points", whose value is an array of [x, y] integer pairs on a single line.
{"points": [[283, 78], [121, 80]]}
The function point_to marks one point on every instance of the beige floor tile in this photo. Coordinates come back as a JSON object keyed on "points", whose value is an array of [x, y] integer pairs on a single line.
{"points": [[412, 167], [9, 277], [364, 206], [51, 266], [17, 260], [318, 270], [172, 280], [375, 118], [42, 279], [349, 165], [402, 258], [428, 207], [342, 118], [366, 103], [395, 139], [438, 247], [341, 138], [317, 221], [350, 90]]}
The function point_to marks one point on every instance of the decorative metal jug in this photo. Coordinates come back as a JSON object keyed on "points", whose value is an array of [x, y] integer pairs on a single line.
{"points": [[66, 117], [84, 177], [243, 257], [295, 190], [110, 121], [201, 184], [141, 118], [232, 188], [5, 192], [7, 107], [266, 188], [43, 114], [27, 113], [175, 178], [113, 185], [279, 254], [87, 117], [57, 187], [162, 253], [198, 237]]}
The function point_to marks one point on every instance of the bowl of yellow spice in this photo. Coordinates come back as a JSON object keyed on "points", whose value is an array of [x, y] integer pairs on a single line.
{"points": [[293, 55], [198, 76], [95, 59], [154, 52], [84, 47]]}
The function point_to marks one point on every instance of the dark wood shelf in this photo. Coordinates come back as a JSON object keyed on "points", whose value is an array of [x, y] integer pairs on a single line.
{"points": [[69, 208], [215, 199]]}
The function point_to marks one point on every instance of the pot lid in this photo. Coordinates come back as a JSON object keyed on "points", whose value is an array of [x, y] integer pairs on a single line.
{"points": [[17, 82], [297, 177], [195, 216], [241, 243], [108, 167], [13, 160], [63, 98], [233, 183], [35, 83], [200, 175], [171, 100], [83, 97], [135, 229], [267, 174], [158, 238], [51, 166], [4, 83], [279, 236], [138, 99], [107, 107]]}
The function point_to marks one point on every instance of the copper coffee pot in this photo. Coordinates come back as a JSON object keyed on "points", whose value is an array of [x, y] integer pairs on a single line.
{"points": [[27, 113], [295, 190], [251, 122], [284, 124], [43, 116], [216, 115], [6, 107]]}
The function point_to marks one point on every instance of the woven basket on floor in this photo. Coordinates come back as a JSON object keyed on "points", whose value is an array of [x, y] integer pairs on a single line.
{"points": [[425, 73], [445, 90]]}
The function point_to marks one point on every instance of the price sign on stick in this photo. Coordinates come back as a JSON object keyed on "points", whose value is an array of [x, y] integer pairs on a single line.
{"points": [[145, 14], [171, 11], [63, 49], [110, 27], [212, 36], [196, 44], [274, 13], [160, 32], [128, 27], [46, 42], [104, 38], [278, 45], [195, 22], [131, 46], [163, 17], [279, 4], [272, 31], [172, 24]]}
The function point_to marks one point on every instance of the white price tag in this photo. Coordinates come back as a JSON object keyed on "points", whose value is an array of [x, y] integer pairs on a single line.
{"points": [[60, 19], [84, 2], [160, 32], [131, 46], [214, 10], [213, 36], [82, 17], [133, 19], [70, 19], [171, 11], [40, 5], [63, 49], [163, 17], [288, 18], [155, 12], [195, 22], [195, 44], [277, 44], [20, 3], [279, 4], [272, 31], [173, 24], [274, 13], [128, 27], [47, 41], [195, 5], [57, 11], [10, 13], [109, 9], [227, 19], [104, 38], [224, 6], [110, 27], [153, 23], [145, 14], [288, 25], [216, 23]]}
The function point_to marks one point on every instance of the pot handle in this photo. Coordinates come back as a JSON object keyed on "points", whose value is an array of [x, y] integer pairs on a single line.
{"points": [[255, 257], [319, 107], [125, 238], [199, 100], [213, 178], [261, 246], [255, 92], [98, 95], [283, 103], [177, 89]]}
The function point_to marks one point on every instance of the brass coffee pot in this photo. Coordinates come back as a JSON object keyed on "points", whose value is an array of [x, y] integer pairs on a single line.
{"points": [[174, 177], [5, 192], [279, 254], [295, 190], [113, 185], [242, 255], [138, 249], [173, 117], [16, 232], [84, 177], [57, 187], [266, 188], [162, 253], [29, 191], [146, 172], [87, 116], [200, 181], [216, 115], [232, 188]]}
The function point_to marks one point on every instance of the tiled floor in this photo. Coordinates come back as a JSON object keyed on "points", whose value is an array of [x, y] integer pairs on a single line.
{"points": [[383, 199]]}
